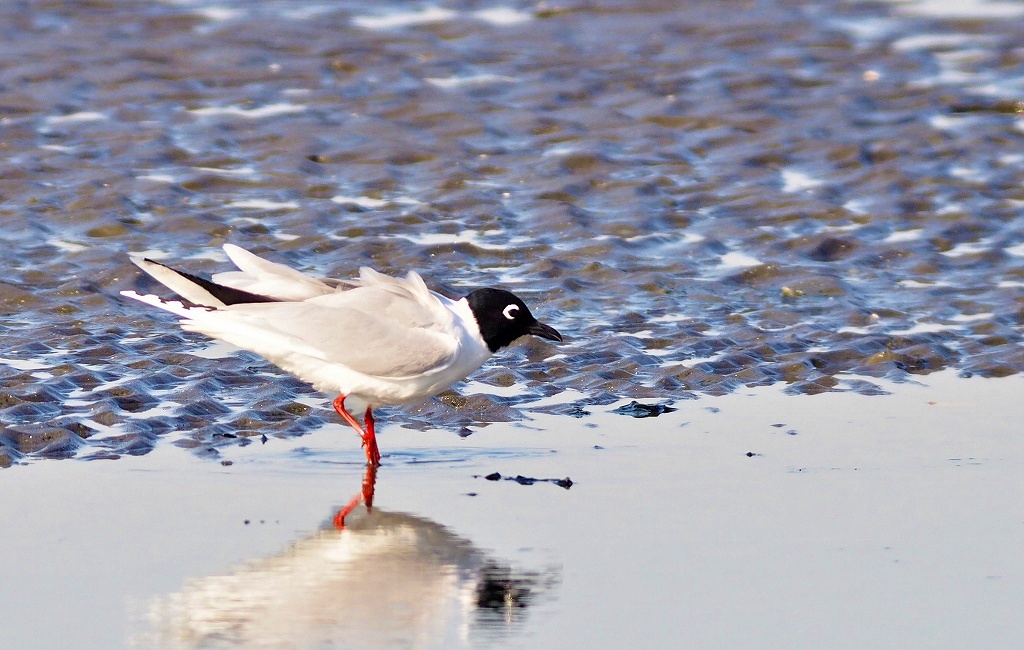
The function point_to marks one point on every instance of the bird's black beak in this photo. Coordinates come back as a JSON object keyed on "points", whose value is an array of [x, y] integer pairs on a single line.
{"points": [[544, 331]]}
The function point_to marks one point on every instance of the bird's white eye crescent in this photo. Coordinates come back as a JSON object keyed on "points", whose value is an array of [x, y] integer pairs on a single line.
{"points": [[510, 312]]}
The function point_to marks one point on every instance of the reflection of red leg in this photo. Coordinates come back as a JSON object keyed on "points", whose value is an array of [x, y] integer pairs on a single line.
{"points": [[369, 482], [339, 519], [369, 439], [366, 496]]}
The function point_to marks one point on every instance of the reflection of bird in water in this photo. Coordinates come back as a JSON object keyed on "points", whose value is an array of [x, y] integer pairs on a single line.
{"points": [[381, 579]]}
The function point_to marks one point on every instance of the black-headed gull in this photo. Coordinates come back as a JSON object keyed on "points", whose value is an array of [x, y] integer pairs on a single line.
{"points": [[376, 340]]}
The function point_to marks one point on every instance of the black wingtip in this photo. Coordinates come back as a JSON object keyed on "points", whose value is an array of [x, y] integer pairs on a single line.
{"points": [[226, 295]]}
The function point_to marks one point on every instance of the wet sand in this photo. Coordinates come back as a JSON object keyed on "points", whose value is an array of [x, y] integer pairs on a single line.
{"points": [[755, 519], [703, 198]]}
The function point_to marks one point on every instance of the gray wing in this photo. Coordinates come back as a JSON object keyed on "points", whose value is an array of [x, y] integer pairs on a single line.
{"points": [[396, 338]]}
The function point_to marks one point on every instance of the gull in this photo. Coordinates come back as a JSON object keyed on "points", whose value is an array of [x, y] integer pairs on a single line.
{"points": [[375, 340]]}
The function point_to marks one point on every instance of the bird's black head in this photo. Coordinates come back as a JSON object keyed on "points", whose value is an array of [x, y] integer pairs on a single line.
{"points": [[503, 318]]}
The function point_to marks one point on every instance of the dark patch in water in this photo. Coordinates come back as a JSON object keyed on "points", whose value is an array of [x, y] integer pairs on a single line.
{"points": [[527, 480], [637, 410]]}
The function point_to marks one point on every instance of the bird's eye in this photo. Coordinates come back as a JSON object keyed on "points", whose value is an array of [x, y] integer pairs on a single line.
{"points": [[510, 312]]}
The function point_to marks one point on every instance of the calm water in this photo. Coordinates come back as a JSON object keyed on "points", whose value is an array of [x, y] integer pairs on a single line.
{"points": [[704, 197], [756, 519]]}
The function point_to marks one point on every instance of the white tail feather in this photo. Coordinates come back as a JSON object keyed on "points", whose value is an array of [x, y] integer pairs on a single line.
{"points": [[177, 283], [174, 306], [265, 278]]}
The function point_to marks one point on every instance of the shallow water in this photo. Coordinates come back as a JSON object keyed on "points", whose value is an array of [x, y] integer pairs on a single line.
{"points": [[701, 197], [755, 519], [706, 198]]}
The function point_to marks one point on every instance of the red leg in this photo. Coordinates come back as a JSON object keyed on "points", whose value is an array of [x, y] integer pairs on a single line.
{"points": [[369, 439]]}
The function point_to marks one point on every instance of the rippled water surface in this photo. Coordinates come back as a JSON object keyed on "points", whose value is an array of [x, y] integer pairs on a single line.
{"points": [[701, 196], [708, 198]]}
